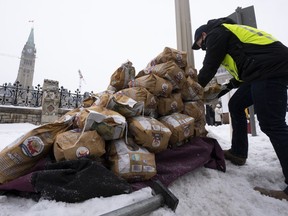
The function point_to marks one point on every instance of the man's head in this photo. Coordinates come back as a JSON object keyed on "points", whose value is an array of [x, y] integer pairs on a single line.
{"points": [[199, 36]]}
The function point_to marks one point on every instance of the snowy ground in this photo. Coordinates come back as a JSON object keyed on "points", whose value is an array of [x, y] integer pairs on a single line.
{"points": [[201, 192]]}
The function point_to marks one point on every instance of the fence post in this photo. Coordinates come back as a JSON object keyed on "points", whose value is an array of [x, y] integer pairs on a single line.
{"points": [[50, 101]]}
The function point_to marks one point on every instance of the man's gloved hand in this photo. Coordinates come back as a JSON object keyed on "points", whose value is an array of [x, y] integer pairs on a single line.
{"points": [[224, 90], [233, 83]]}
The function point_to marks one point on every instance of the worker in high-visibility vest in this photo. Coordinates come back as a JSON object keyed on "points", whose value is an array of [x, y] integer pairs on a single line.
{"points": [[259, 65]]}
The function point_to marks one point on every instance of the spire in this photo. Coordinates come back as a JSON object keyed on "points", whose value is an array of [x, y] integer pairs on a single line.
{"points": [[27, 62], [31, 38]]}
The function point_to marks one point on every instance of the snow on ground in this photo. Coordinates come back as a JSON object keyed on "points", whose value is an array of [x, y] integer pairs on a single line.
{"points": [[202, 192]]}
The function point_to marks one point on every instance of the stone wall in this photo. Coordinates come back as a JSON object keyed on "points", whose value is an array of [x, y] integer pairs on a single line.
{"points": [[11, 114], [49, 112]]}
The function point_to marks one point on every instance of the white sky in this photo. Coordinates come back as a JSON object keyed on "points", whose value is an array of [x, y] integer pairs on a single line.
{"points": [[203, 191], [98, 36]]}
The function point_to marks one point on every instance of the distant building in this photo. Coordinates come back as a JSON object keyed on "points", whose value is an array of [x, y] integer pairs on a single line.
{"points": [[27, 63]]}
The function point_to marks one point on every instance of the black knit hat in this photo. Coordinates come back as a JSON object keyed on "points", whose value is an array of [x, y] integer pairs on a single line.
{"points": [[197, 36]]}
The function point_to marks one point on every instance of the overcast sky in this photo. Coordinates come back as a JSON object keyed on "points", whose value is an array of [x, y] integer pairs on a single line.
{"points": [[97, 36]]}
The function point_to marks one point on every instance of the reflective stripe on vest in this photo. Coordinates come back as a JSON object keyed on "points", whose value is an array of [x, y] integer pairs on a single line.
{"points": [[248, 34], [245, 34]]}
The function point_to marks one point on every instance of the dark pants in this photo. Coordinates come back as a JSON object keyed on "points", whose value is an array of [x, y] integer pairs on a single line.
{"points": [[270, 102]]}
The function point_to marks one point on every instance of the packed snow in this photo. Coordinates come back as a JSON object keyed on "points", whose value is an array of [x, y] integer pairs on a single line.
{"points": [[202, 192]]}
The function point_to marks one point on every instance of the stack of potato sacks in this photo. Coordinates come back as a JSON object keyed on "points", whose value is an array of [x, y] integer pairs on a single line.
{"points": [[137, 117]]}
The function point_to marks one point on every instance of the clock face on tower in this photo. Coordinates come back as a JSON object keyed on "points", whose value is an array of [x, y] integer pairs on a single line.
{"points": [[29, 50]]}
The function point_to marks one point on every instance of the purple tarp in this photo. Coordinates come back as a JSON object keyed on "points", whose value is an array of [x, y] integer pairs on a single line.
{"points": [[173, 163], [170, 164]]}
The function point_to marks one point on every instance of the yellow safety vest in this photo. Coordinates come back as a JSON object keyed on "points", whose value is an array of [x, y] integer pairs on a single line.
{"points": [[246, 34]]}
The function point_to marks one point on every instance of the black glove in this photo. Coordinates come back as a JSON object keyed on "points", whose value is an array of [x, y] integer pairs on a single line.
{"points": [[233, 83], [224, 90]]}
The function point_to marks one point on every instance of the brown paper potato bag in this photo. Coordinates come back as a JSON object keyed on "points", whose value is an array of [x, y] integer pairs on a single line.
{"points": [[21, 155], [108, 123], [130, 161], [170, 104], [120, 78], [195, 109], [75, 144], [181, 126], [192, 90], [154, 84], [169, 71], [170, 54], [149, 133], [125, 105], [142, 94]]}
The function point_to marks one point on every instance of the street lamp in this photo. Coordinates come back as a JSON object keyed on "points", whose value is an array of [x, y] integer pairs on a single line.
{"points": [[183, 29]]}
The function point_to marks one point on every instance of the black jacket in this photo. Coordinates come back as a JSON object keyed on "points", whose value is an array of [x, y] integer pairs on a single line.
{"points": [[254, 62]]}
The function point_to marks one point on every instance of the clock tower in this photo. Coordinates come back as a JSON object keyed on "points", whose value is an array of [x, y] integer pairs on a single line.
{"points": [[27, 63]]}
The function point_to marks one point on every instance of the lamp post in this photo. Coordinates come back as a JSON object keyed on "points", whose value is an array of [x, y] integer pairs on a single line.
{"points": [[183, 29], [246, 16]]}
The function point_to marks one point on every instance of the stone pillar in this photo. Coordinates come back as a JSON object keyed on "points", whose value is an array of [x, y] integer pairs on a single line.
{"points": [[50, 101], [183, 30]]}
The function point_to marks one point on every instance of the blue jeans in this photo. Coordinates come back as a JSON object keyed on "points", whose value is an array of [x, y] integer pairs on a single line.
{"points": [[270, 102]]}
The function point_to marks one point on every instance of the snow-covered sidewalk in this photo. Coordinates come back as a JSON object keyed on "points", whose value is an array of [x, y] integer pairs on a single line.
{"points": [[201, 192]]}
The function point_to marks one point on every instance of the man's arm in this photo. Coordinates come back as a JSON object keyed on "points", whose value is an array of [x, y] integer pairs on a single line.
{"points": [[216, 43]]}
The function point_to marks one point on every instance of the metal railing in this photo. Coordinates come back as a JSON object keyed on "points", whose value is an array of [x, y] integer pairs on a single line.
{"points": [[17, 96], [71, 100]]}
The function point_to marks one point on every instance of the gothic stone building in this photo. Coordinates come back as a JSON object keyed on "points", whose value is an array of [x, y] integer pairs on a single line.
{"points": [[27, 63]]}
